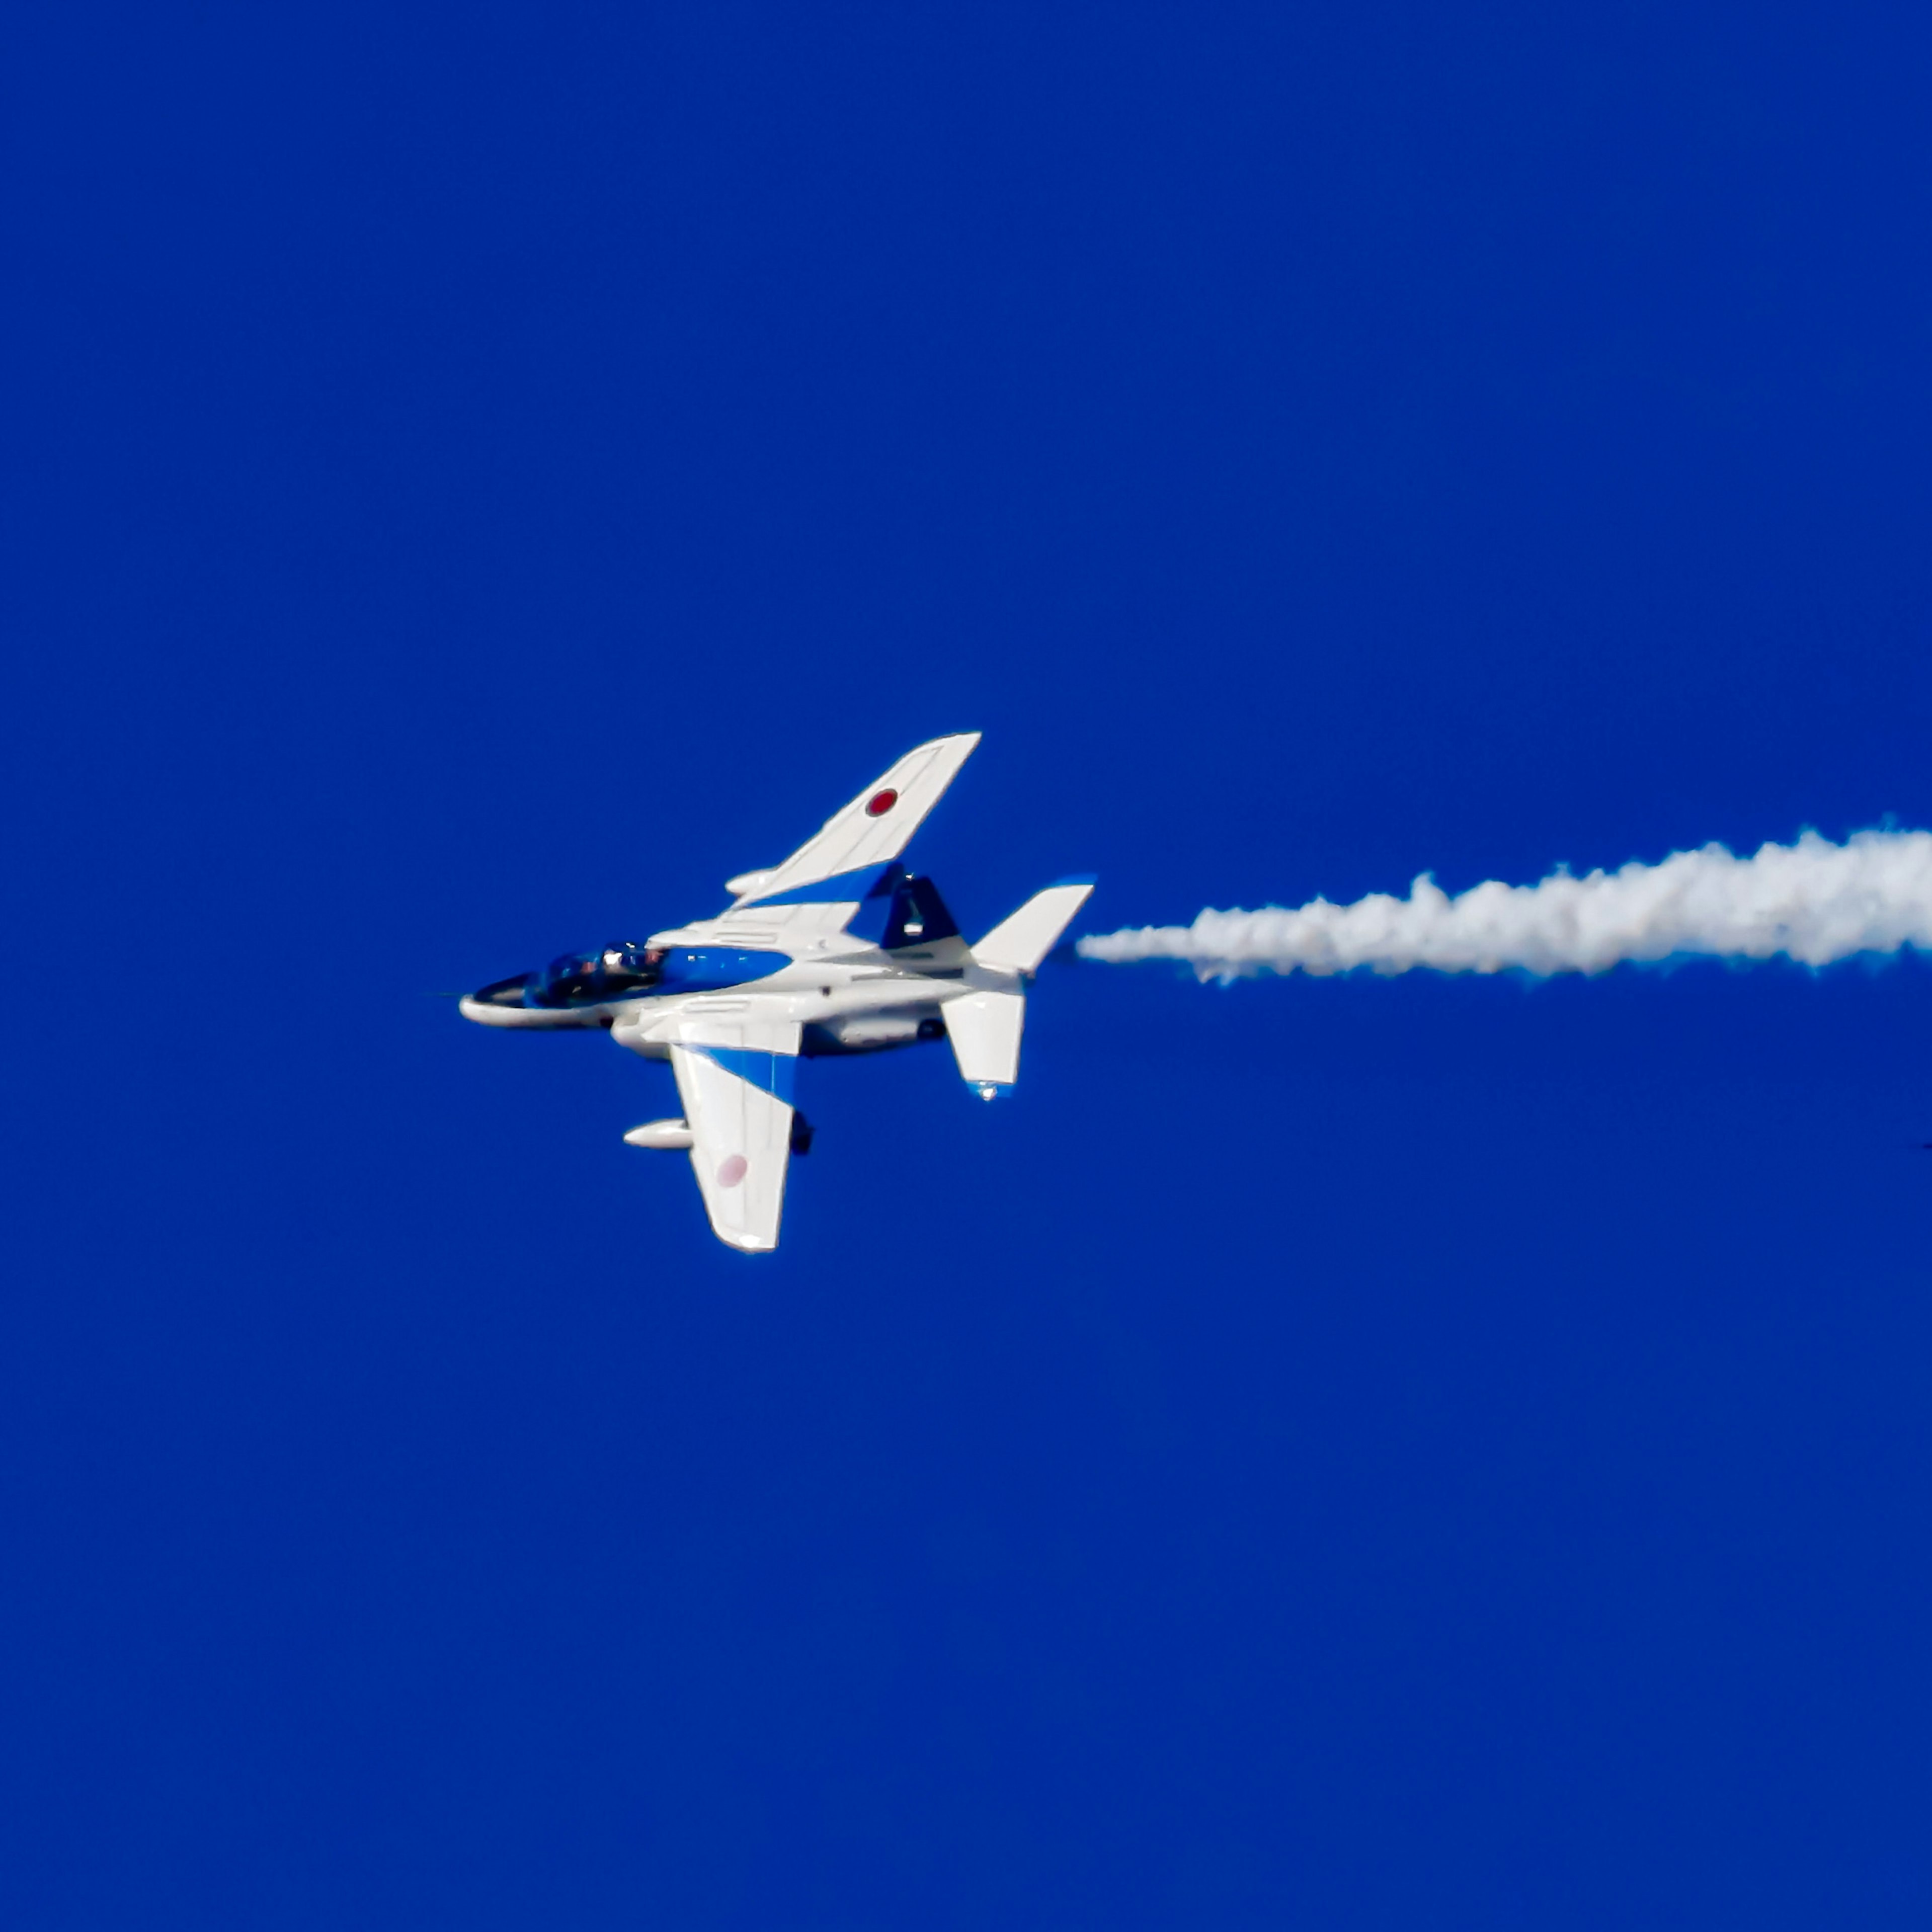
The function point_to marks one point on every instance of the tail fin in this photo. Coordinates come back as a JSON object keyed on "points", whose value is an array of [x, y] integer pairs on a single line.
{"points": [[1019, 942], [984, 1027]]}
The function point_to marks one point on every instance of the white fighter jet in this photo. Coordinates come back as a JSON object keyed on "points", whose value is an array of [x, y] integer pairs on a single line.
{"points": [[839, 950]]}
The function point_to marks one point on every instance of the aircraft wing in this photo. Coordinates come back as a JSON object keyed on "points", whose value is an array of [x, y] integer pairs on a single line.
{"points": [[734, 1075], [875, 828]]}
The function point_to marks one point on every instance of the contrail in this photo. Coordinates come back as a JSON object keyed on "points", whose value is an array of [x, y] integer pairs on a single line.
{"points": [[1812, 901]]}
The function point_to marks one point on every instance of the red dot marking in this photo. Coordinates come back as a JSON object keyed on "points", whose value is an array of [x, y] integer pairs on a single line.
{"points": [[881, 802], [733, 1171]]}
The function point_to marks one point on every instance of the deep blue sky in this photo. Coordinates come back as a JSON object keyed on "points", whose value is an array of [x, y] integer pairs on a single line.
{"points": [[1349, 1454]]}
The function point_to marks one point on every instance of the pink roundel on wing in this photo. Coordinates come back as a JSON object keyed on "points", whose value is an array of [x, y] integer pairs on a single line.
{"points": [[731, 1171], [881, 802]]}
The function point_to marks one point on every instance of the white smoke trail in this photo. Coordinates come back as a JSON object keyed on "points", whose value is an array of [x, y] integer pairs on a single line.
{"points": [[1812, 901]]}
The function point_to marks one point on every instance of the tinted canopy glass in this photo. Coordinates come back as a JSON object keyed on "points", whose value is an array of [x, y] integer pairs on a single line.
{"points": [[585, 979]]}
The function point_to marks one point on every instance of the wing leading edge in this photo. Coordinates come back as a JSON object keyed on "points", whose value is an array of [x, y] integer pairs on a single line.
{"points": [[735, 1078], [875, 827]]}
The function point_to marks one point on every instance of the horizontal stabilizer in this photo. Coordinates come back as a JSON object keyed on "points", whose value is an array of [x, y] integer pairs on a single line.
{"points": [[1018, 944], [984, 1030]]}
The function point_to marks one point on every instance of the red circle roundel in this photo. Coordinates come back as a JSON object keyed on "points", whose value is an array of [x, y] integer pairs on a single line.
{"points": [[881, 802]]}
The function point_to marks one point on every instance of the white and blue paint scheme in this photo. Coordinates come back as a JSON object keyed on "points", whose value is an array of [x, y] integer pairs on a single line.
{"points": [[839, 950]]}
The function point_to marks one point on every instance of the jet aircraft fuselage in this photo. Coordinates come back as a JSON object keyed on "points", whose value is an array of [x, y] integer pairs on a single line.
{"points": [[846, 999]]}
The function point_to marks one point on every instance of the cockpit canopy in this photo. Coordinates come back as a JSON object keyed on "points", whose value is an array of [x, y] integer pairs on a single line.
{"points": [[584, 979]]}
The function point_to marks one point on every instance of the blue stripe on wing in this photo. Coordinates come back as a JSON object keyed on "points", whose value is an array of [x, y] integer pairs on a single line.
{"points": [[772, 1073], [862, 884]]}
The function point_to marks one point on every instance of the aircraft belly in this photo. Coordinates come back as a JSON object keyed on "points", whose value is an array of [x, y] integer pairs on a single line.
{"points": [[873, 1031]]}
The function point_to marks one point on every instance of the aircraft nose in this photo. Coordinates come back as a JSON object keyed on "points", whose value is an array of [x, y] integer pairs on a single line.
{"points": [[500, 996], [504, 992]]}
